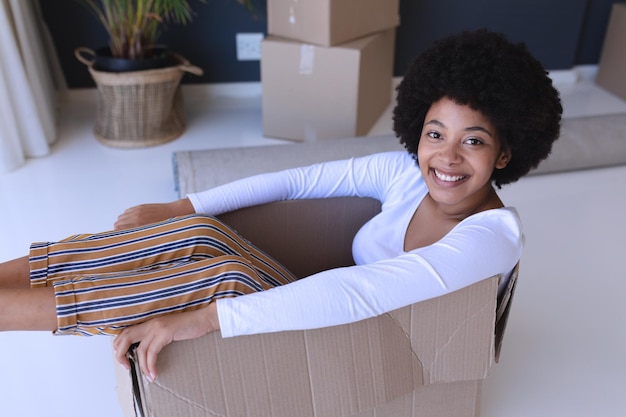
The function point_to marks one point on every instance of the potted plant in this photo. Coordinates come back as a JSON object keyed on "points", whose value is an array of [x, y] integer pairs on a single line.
{"points": [[133, 28], [139, 96]]}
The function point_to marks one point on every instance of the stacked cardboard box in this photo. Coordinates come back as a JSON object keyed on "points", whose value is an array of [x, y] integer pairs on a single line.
{"points": [[327, 67], [612, 67]]}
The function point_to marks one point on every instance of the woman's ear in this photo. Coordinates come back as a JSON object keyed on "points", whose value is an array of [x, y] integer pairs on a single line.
{"points": [[503, 159]]}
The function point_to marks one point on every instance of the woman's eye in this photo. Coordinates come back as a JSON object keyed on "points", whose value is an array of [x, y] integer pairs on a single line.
{"points": [[434, 135], [473, 141]]}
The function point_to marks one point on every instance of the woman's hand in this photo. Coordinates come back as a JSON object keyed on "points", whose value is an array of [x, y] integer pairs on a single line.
{"points": [[152, 213], [153, 335]]}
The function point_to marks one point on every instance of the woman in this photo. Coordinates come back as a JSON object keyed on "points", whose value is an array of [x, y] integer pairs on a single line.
{"points": [[473, 111]]}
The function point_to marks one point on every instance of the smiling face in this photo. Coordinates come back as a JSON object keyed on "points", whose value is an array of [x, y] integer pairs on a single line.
{"points": [[457, 153]]}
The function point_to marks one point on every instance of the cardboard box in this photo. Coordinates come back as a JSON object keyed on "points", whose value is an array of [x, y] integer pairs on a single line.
{"points": [[612, 66], [427, 359], [330, 22], [315, 92]]}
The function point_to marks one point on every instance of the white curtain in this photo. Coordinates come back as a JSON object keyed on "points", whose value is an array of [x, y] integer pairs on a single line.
{"points": [[29, 78]]}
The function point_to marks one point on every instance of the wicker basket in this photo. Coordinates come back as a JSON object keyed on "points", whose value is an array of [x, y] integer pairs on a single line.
{"points": [[139, 108]]}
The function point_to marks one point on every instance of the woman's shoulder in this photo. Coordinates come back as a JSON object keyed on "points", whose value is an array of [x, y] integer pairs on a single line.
{"points": [[502, 220], [507, 212]]}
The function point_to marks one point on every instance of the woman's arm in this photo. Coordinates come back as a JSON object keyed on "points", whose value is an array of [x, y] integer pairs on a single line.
{"points": [[487, 245], [366, 176]]}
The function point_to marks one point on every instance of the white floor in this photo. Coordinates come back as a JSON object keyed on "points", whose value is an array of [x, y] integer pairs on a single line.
{"points": [[565, 347]]}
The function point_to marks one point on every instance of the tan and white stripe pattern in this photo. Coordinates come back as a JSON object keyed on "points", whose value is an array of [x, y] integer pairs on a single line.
{"points": [[107, 281]]}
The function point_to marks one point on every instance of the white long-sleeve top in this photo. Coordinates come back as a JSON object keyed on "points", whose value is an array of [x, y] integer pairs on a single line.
{"points": [[385, 276]]}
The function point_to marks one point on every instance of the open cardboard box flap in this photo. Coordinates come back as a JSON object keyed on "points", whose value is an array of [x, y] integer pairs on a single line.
{"points": [[439, 348]]}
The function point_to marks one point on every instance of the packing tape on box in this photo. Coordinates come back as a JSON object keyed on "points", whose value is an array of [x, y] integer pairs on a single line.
{"points": [[307, 58]]}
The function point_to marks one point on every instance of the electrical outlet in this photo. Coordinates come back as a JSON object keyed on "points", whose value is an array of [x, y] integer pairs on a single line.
{"points": [[249, 46]]}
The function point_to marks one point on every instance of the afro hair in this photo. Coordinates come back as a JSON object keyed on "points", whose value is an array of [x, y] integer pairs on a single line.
{"points": [[500, 79]]}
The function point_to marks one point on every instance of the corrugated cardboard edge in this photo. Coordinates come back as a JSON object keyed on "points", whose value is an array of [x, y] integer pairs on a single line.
{"points": [[504, 307], [125, 390]]}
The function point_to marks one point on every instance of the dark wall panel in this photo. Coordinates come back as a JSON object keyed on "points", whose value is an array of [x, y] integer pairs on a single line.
{"points": [[550, 28], [561, 33], [593, 31]]}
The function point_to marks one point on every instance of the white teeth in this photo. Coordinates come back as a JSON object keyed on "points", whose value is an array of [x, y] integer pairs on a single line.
{"points": [[449, 178]]}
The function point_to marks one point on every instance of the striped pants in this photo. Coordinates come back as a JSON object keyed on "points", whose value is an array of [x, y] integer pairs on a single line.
{"points": [[105, 282]]}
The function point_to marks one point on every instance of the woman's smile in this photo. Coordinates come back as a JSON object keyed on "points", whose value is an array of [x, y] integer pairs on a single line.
{"points": [[452, 178]]}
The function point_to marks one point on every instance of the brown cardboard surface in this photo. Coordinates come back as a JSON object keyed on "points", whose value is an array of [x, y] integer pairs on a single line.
{"points": [[456, 399], [315, 92], [330, 22], [279, 220], [339, 371], [612, 66], [422, 360], [460, 332]]}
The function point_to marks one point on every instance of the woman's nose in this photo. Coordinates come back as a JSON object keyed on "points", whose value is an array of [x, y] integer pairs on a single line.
{"points": [[450, 153]]}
